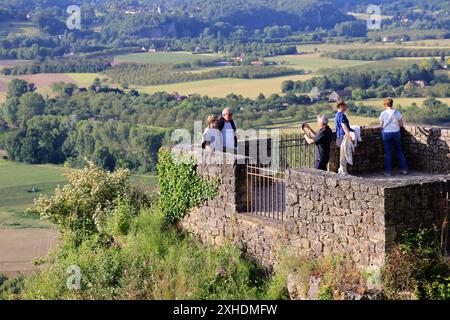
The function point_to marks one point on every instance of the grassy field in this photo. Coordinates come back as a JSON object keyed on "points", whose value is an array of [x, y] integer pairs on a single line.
{"points": [[16, 180], [83, 78], [2, 97], [325, 47], [19, 28], [315, 62], [289, 127], [223, 87], [163, 57], [404, 102]]}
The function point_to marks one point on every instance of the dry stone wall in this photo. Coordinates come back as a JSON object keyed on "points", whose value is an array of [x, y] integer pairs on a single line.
{"points": [[330, 214]]}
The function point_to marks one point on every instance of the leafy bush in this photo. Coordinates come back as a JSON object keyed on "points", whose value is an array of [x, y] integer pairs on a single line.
{"points": [[120, 221], [9, 288], [416, 267], [181, 187], [91, 196]]}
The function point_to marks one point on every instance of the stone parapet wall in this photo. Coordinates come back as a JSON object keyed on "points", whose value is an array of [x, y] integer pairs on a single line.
{"points": [[224, 219], [427, 148], [329, 214], [361, 217]]}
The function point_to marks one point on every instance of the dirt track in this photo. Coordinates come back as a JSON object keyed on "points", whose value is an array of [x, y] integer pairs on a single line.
{"points": [[3, 85], [13, 62], [20, 247]]}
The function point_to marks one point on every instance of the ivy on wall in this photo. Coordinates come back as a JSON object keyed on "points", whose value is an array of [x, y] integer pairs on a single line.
{"points": [[181, 187]]}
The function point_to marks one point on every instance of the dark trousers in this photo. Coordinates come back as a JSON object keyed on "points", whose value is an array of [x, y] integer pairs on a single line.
{"points": [[394, 138], [320, 164]]}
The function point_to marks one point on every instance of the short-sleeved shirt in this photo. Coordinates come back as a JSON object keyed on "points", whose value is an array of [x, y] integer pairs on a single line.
{"points": [[339, 119], [322, 142], [390, 119], [214, 137]]}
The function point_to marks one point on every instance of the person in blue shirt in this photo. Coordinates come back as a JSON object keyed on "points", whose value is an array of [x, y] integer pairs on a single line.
{"points": [[341, 123]]}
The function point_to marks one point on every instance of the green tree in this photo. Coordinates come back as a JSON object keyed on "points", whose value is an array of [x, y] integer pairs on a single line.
{"points": [[103, 158], [30, 104]]}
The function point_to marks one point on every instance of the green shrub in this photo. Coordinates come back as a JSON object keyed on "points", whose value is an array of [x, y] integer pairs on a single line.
{"points": [[181, 187], [84, 205], [9, 288], [416, 265], [121, 218], [154, 261]]}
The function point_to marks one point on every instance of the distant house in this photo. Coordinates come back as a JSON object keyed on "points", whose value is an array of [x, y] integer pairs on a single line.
{"points": [[182, 98], [199, 50], [317, 95], [257, 63], [339, 95], [223, 63], [143, 49], [415, 84], [179, 98]]}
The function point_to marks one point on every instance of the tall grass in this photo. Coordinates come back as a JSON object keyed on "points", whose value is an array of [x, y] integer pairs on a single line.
{"points": [[153, 261]]}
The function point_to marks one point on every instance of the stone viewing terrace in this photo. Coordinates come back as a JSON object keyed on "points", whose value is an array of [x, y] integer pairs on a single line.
{"points": [[306, 211]]}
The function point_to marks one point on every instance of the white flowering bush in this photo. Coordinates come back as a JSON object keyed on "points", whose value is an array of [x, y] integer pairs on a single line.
{"points": [[89, 199]]}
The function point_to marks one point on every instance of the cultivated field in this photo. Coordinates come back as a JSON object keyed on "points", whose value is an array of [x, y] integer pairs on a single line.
{"points": [[13, 62], [19, 28], [315, 62], [224, 86], [162, 57], [20, 247], [289, 127], [16, 182], [404, 102]]}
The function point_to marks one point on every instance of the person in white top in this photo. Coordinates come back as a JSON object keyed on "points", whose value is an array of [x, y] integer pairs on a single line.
{"points": [[391, 121], [212, 137]]}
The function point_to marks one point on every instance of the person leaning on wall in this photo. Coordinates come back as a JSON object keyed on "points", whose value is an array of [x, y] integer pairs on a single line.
{"points": [[322, 141], [227, 126], [391, 121], [212, 137], [343, 130]]}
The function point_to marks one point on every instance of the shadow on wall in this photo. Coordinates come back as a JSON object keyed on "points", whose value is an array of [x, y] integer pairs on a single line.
{"points": [[427, 149]]}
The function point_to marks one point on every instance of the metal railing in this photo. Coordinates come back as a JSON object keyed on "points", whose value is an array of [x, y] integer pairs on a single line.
{"points": [[266, 184], [292, 151], [266, 192]]}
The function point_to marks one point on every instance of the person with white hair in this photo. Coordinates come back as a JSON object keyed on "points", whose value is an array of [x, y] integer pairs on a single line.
{"points": [[228, 128], [322, 140]]}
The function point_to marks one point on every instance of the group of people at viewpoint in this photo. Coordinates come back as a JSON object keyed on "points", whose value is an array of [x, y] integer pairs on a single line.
{"points": [[220, 135], [347, 137]]}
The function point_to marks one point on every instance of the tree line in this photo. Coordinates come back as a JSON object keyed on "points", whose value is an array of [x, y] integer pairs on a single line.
{"points": [[378, 83], [385, 53], [61, 65]]}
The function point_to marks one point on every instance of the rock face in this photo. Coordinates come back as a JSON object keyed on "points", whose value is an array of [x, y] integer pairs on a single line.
{"points": [[303, 291], [328, 214]]}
